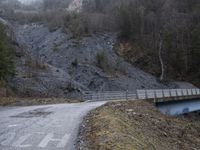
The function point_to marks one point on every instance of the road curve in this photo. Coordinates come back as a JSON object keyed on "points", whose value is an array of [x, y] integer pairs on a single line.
{"points": [[47, 127]]}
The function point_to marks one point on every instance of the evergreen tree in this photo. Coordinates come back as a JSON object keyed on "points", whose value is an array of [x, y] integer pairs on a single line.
{"points": [[6, 63]]}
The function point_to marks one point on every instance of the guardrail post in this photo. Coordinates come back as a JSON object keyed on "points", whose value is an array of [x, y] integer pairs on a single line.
{"points": [[170, 93], [126, 95], [155, 97], [176, 94], [163, 94], [195, 91], [137, 97], [182, 93], [146, 96]]}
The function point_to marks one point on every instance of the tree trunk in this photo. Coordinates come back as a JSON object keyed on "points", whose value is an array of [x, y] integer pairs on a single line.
{"points": [[161, 60]]}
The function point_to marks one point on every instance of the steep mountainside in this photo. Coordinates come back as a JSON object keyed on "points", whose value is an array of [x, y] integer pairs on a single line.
{"points": [[55, 64], [66, 47]]}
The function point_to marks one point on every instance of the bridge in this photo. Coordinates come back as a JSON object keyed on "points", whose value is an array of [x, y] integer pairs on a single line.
{"points": [[157, 95], [168, 101]]}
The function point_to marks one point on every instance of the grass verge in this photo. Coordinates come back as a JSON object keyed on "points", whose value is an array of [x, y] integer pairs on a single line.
{"points": [[15, 101], [137, 125]]}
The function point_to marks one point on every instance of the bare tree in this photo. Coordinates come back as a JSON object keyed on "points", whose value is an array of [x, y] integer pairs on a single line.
{"points": [[160, 49]]}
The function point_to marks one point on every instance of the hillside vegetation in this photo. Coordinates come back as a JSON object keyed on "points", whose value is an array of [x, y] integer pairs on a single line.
{"points": [[6, 55], [160, 36]]}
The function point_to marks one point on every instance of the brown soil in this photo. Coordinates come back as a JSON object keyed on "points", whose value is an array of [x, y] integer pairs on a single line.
{"points": [[137, 125], [16, 101]]}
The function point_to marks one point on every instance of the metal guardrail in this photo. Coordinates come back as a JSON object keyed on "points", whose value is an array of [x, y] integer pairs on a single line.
{"points": [[157, 95], [109, 95]]}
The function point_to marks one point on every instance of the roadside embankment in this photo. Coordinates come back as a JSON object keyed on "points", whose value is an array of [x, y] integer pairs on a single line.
{"points": [[136, 125], [17, 101]]}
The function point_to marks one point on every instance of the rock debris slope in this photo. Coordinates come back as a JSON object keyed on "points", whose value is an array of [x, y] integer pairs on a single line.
{"points": [[55, 64]]}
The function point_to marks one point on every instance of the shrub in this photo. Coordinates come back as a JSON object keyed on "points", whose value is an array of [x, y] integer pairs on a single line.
{"points": [[102, 60], [35, 64], [75, 63], [77, 23], [119, 61]]}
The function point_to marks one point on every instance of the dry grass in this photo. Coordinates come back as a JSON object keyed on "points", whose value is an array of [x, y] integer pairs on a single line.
{"points": [[16, 101], [137, 125]]}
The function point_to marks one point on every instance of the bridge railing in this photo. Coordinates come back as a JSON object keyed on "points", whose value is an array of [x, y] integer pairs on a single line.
{"points": [[156, 94], [146, 94], [168, 94]]}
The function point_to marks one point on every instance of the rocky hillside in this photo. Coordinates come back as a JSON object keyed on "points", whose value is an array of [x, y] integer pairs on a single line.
{"points": [[55, 62]]}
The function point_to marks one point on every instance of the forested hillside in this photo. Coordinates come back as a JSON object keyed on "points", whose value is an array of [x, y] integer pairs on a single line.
{"points": [[160, 36]]}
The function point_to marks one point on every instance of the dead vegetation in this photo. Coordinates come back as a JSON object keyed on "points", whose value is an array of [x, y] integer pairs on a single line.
{"points": [[16, 101], [135, 126]]}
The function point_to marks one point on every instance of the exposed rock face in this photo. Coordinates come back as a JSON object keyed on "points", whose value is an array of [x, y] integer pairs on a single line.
{"points": [[76, 5], [27, 1], [55, 64]]}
